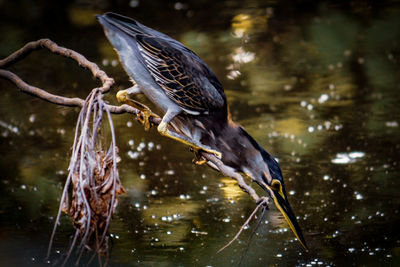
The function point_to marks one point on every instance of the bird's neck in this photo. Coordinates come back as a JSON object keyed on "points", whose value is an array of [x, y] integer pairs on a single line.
{"points": [[239, 150]]}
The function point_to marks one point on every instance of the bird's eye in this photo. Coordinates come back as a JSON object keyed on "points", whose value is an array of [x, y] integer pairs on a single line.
{"points": [[276, 185]]}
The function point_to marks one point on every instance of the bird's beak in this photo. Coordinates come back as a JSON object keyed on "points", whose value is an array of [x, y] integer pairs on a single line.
{"points": [[284, 207]]}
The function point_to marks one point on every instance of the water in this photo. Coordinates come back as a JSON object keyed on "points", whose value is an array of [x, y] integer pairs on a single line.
{"points": [[316, 84]]}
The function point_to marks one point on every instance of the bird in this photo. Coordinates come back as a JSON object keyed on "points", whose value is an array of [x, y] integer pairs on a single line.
{"points": [[194, 104]]}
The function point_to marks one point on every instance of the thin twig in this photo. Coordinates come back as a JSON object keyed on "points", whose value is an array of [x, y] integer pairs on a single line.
{"points": [[263, 202], [251, 236]]}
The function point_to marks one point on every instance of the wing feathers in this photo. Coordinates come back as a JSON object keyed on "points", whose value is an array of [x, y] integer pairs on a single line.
{"points": [[182, 75]]}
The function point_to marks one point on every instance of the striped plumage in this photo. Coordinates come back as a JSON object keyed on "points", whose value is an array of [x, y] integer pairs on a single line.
{"points": [[177, 70]]}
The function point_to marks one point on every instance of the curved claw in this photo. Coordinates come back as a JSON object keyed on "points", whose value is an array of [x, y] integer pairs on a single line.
{"points": [[198, 160], [145, 119], [211, 151], [145, 113]]}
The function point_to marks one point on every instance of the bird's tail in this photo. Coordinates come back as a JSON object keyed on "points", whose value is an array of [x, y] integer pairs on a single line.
{"points": [[121, 23]]}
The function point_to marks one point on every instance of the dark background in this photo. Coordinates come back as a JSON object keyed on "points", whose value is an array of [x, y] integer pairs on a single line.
{"points": [[315, 82]]}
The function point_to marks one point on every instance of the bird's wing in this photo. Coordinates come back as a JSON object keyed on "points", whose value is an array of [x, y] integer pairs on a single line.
{"points": [[182, 75], [186, 81]]}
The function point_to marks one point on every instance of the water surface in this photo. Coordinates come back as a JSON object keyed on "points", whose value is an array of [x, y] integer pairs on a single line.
{"points": [[315, 83]]}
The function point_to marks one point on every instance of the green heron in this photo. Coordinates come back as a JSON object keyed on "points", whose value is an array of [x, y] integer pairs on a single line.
{"points": [[177, 81]]}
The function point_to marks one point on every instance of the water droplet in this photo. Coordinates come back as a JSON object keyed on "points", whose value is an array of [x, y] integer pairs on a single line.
{"points": [[356, 154], [226, 220], [344, 158], [170, 172], [323, 98], [150, 145], [392, 124], [133, 155], [32, 118], [134, 3], [287, 87]]}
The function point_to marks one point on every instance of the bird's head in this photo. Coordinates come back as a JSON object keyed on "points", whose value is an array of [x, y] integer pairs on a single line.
{"points": [[266, 172], [277, 191]]}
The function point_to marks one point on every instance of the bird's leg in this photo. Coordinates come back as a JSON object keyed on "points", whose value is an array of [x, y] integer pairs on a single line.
{"points": [[198, 159], [123, 97], [163, 130]]}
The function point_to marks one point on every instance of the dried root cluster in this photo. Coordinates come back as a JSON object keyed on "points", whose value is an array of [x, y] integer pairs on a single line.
{"points": [[94, 177]]}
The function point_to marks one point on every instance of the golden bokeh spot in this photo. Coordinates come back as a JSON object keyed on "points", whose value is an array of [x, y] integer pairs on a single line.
{"points": [[246, 23], [230, 189]]}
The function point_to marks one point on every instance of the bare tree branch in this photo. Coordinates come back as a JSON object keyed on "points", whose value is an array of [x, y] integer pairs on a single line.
{"points": [[62, 100], [56, 49], [40, 93]]}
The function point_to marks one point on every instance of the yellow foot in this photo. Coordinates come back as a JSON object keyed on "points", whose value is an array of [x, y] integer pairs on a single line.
{"points": [[210, 151], [122, 96], [196, 150], [145, 113], [198, 160], [144, 118]]}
